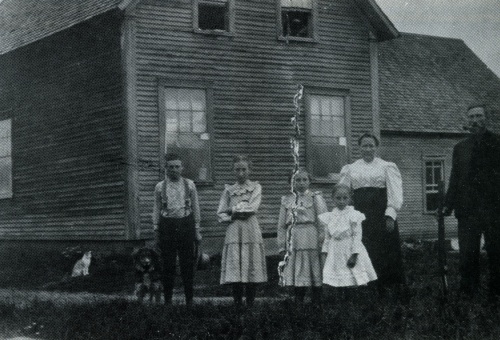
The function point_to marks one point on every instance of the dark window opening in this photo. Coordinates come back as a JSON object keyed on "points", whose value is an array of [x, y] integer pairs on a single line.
{"points": [[212, 16], [296, 23]]}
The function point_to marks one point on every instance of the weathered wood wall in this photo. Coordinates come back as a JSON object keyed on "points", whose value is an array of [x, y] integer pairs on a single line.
{"points": [[254, 77], [64, 96], [408, 153]]}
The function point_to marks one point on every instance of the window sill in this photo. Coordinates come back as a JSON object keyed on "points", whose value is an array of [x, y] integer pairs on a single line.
{"points": [[213, 32], [297, 39]]}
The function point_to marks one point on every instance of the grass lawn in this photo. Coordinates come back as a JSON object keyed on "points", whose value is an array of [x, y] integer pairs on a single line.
{"points": [[419, 314]]}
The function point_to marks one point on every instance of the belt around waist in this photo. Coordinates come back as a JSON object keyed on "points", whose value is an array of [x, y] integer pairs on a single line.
{"points": [[176, 218]]}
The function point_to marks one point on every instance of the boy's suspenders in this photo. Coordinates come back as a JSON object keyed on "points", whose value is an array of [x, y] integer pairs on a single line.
{"points": [[187, 195]]}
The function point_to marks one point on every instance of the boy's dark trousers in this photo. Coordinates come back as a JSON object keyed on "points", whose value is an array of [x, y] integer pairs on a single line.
{"points": [[177, 238]]}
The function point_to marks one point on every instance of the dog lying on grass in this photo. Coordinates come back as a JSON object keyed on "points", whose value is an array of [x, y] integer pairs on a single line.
{"points": [[147, 274]]}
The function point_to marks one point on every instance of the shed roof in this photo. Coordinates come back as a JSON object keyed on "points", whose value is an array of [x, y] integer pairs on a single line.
{"points": [[25, 21], [427, 83]]}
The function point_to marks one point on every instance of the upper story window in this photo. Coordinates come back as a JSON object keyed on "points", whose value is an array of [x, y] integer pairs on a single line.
{"points": [[296, 19], [184, 112], [213, 16], [5, 158], [327, 133], [433, 174]]}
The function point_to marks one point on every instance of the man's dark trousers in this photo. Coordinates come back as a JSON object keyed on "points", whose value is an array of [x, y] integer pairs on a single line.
{"points": [[177, 238], [470, 229]]}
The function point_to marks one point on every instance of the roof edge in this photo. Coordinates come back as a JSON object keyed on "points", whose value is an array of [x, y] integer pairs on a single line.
{"points": [[385, 29], [429, 36]]}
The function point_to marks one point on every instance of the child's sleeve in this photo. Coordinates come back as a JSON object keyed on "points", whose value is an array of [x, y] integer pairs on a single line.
{"points": [[356, 232], [320, 209], [281, 237], [224, 207], [324, 219]]}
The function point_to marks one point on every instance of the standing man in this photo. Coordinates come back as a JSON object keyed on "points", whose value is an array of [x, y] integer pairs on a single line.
{"points": [[474, 195], [176, 223]]}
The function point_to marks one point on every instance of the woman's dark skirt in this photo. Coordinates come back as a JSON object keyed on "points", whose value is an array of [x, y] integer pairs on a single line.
{"points": [[383, 247]]}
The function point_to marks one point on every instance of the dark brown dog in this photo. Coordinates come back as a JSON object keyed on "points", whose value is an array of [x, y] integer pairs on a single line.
{"points": [[147, 274]]}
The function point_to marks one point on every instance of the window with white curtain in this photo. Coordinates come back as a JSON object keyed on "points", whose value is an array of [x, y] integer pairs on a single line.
{"points": [[327, 137], [186, 129]]}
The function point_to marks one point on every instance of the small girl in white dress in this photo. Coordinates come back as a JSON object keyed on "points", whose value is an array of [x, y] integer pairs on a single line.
{"points": [[347, 263]]}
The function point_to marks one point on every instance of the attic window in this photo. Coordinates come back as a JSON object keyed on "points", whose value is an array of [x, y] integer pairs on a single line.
{"points": [[296, 19], [213, 16]]}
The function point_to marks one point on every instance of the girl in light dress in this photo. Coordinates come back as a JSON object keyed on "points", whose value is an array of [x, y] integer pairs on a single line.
{"points": [[304, 264], [243, 258], [347, 263]]}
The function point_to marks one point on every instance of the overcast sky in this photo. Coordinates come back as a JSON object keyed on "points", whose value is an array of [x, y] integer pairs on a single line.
{"points": [[477, 22]]}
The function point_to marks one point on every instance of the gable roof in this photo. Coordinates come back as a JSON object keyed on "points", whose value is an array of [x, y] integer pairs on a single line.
{"points": [[26, 21], [384, 29], [427, 83]]}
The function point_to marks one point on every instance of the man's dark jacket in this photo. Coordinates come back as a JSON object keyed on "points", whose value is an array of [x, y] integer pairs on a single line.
{"points": [[475, 176]]}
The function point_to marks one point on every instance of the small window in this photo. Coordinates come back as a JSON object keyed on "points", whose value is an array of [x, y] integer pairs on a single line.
{"points": [[186, 130], [433, 174], [5, 159], [326, 135], [296, 19], [213, 16]]}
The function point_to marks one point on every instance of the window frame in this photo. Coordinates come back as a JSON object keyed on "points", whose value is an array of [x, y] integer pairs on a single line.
{"points": [[230, 13], [314, 25], [425, 159], [332, 92], [195, 85], [9, 193]]}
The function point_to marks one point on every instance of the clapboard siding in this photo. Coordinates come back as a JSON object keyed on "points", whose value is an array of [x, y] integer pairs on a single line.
{"points": [[408, 153], [253, 77], [64, 95]]}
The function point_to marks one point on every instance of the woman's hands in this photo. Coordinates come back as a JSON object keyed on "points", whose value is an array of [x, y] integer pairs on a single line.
{"points": [[352, 261]]}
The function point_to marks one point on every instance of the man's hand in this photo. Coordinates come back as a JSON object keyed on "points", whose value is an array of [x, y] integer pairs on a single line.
{"points": [[447, 211], [352, 261], [389, 224], [197, 236]]}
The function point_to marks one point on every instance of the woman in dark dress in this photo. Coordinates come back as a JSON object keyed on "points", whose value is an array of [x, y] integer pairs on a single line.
{"points": [[378, 194]]}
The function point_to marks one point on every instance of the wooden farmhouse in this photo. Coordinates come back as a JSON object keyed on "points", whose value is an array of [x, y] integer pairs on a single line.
{"points": [[94, 92], [426, 86]]}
